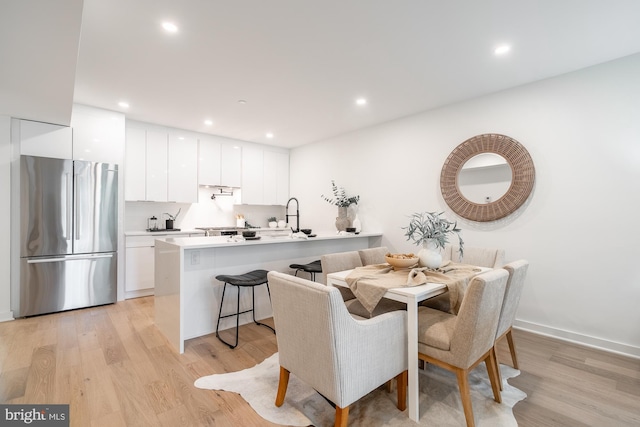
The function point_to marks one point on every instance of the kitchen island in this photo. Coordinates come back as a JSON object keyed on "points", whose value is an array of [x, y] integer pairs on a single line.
{"points": [[187, 295]]}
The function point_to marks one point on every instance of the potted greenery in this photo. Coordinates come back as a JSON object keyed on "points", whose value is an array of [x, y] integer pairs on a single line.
{"points": [[342, 201], [172, 218], [273, 221], [431, 231]]}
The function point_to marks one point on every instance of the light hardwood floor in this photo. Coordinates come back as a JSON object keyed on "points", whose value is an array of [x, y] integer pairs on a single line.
{"points": [[115, 369]]}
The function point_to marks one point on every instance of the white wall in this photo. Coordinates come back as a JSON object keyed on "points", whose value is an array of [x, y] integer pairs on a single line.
{"points": [[579, 229], [5, 218]]}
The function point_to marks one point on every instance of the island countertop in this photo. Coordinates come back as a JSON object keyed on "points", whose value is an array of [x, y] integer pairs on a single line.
{"points": [[229, 241]]}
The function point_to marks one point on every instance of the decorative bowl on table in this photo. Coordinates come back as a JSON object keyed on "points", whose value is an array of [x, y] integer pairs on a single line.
{"points": [[398, 261], [248, 234], [306, 231]]}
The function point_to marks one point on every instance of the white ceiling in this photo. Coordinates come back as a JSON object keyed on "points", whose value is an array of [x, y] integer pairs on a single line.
{"points": [[300, 65]]}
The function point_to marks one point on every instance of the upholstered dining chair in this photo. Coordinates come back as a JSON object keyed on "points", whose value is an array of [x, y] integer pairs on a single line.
{"points": [[517, 275], [341, 261], [461, 342], [343, 359], [373, 255], [482, 257]]}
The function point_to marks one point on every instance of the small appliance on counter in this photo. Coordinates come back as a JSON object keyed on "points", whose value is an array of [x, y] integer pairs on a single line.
{"points": [[152, 224]]}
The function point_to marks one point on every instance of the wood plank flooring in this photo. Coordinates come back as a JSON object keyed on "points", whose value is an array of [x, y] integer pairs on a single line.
{"points": [[115, 369]]}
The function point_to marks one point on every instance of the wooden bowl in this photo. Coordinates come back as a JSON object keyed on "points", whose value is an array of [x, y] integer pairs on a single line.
{"points": [[398, 263]]}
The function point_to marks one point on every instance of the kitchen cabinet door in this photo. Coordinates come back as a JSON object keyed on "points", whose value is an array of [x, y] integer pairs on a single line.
{"points": [[140, 264], [209, 161], [135, 165], [98, 135], [276, 178], [252, 176], [182, 168], [230, 165], [43, 139], [156, 173]]}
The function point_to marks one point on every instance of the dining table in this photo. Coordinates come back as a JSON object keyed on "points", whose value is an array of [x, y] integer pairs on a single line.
{"points": [[411, 296]]}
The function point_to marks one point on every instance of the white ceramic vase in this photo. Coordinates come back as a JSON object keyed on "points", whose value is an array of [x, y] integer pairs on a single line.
{"points": [[430, 255]]}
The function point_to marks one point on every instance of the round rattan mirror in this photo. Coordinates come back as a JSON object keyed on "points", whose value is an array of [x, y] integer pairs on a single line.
{"points": [[523, 176]]}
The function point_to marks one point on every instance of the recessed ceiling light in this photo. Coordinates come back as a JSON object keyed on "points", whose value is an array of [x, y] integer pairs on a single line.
{"points": [[361, 101], [170, 27], [242, 101], [123, 104], [501, 50], [269, 135], [208, 122]]}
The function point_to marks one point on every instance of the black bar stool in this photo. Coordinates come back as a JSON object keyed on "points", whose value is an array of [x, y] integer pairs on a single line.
{"points": [[312, 268], [251, 279]]}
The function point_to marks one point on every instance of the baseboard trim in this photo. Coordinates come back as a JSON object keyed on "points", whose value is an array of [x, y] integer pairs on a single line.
{"points": [[588, 341], [6, 316]]}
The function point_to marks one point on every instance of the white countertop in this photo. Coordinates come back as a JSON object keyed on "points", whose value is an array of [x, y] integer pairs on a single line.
{"points": [[226, 241], [162, 232]]}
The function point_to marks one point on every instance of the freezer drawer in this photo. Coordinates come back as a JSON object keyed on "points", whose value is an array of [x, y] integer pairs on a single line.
{"points": [[63, 283]]}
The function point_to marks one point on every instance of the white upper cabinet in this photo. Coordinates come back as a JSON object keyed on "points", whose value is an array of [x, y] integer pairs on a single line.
{"points": [[209, 170], [252, 176], [43, 139], [135, 164], [182, 168], [156, 160], [231, 165], [276, 178], [265, 177], [98, 135]]}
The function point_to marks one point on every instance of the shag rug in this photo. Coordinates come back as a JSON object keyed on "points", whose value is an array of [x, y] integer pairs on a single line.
{"points": [[440, 403]]}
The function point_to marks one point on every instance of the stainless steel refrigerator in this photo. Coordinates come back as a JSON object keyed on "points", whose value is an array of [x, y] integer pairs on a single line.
{"points": [[68, 232]]}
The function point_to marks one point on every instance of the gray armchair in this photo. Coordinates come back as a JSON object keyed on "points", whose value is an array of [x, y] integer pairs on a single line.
{"points": [[460, 343], [482, 257], [342, 358], [517, 275], [373, 255]]}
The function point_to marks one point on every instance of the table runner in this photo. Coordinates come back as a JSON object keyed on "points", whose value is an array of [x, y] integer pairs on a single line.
{"points": [[371, 282]]}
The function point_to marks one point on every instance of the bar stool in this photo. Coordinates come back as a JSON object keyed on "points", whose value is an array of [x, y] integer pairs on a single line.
{"points": [[251, 279], [312, 268]]}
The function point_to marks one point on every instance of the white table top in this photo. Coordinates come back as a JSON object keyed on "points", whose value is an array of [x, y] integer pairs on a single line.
{"points": [[420, 292]]}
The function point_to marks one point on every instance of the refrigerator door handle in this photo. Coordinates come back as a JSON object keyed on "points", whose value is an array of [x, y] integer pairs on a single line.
{"points": [[76, 232], [67, 230], [68, 258]]}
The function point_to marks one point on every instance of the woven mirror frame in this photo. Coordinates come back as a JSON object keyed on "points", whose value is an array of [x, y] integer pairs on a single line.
{"points": [[522, 169]]}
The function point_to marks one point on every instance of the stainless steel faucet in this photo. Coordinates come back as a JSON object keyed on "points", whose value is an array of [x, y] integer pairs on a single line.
{"points": [[297, 215]]}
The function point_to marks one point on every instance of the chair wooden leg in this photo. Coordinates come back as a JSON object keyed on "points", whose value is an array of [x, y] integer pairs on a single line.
{"points": [[282, 386], [494, 350], [465, 395], [494, 374], [342, 417], [512, 349], [401, 384]]}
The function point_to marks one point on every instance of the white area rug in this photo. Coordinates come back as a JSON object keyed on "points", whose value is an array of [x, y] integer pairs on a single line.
{"points": [[440, 403]]}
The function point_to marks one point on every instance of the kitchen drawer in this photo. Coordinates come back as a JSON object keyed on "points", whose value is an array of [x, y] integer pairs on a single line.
{"points": [[142, 241]]}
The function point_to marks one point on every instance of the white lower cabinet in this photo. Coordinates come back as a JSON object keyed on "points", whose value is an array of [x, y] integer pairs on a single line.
{"points": [[140, 263]]}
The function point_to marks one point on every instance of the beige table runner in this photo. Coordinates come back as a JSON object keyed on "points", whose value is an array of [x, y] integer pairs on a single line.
{"points": [[371, 282]]}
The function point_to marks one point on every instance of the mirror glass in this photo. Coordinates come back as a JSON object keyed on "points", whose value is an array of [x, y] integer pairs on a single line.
{"points": [[485, 178]]}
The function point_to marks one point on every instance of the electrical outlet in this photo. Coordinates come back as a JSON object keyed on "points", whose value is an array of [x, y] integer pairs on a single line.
{"points": [[195, 257]]}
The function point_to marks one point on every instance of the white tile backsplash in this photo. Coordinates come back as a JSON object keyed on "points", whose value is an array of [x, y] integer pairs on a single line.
{"points": [[220, 212]]}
